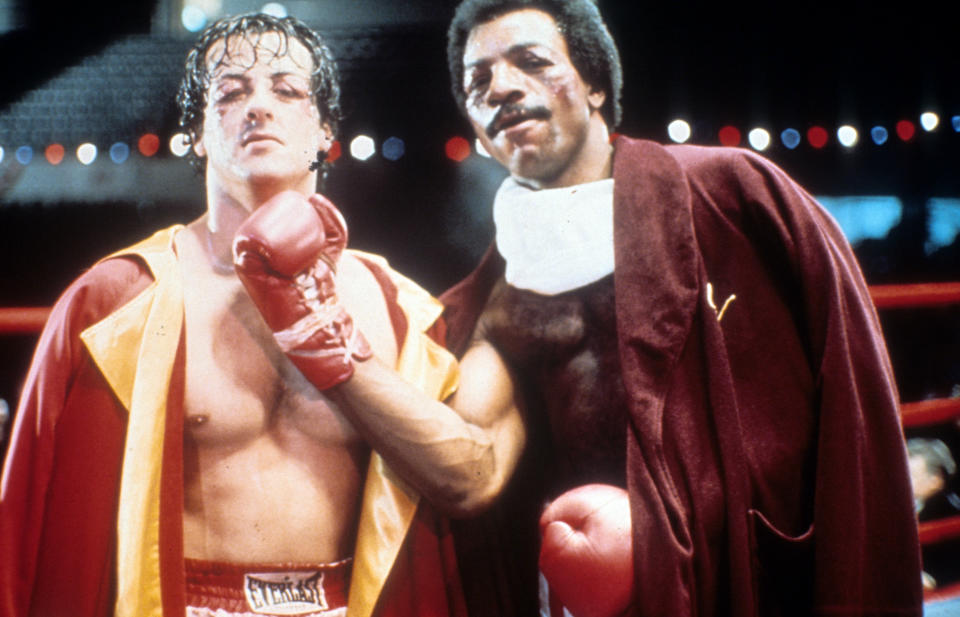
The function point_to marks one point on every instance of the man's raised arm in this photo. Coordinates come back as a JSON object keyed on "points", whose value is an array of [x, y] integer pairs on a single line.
{"points": [[459, 454]]}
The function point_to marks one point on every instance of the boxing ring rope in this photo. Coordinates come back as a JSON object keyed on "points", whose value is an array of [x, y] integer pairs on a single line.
{"points": [[916, 295], [929, 412], [30, 320], [23, 320]]}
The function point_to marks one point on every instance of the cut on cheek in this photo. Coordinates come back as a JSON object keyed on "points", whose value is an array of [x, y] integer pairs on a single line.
{"points": [[567, 90]]}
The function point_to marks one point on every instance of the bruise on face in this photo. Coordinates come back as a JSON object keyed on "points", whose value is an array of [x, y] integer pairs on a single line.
{"points": [[527, 102]]}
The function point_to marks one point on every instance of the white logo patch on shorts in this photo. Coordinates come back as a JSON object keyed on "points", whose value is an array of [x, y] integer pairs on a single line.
{"points": [[285, 593]]}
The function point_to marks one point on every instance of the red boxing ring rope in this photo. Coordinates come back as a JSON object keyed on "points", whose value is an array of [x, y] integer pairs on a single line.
{"points": [[23, 320], [916, 295]]}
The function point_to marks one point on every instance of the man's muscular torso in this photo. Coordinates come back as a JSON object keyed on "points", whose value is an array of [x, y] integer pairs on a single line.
{"points": [[273, 470], [564, 351]]}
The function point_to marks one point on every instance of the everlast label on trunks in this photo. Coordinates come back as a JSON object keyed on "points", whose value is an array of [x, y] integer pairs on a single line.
{"points": [[292, 593], [218, 589]]}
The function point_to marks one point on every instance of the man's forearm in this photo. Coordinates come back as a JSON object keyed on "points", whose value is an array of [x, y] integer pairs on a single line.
{"points": [[450, 460]]}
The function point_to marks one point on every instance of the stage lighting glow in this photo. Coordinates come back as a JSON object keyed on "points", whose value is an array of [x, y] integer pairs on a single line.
{"points": [[362, 147], [679, 131], [275, 9], [193, 18], [879, 135], [759, 139], [54, 154], [847, 136], [148, 144], [863, 217], [178, 145], [906, 130], [24, 155], [817, 136], [478, 146], [1, 154], [729, 136], [943, 223], [457, 149], [393, 148], [119, 152], [87, 153], [790, 138], [929, 121], [955, 121]]}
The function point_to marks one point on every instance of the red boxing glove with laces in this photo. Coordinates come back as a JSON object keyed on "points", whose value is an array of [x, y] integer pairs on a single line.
{"points": [[586, 551], [286, 254]]}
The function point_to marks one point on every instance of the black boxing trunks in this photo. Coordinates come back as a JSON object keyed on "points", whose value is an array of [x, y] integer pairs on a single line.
{"points": [[217, 589]]}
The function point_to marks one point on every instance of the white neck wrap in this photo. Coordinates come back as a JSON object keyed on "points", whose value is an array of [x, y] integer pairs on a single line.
{"points": [[555, 240]]}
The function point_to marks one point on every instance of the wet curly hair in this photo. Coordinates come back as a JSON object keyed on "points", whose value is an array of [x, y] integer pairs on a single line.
{"points": [[592, 50], [192, 94]]}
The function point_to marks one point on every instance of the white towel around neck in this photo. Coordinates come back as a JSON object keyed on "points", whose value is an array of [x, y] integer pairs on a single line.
{"points": [[555, 240]]}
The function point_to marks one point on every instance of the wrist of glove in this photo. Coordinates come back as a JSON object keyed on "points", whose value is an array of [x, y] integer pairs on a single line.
{"points": [[285, 254], [586, 551]]}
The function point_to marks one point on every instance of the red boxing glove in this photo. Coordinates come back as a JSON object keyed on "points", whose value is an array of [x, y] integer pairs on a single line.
{"points": [[285, 254], [586, 550]]}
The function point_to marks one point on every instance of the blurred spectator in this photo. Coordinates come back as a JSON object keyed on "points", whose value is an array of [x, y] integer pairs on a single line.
{"points": [[932, 467]]}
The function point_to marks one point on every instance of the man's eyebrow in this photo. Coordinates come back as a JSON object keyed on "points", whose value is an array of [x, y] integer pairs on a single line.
{"points": [[285, 74], [242, 76], [230, 76], [513, 49]]}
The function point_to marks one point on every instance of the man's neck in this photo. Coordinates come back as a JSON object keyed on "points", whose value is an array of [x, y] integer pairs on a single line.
{"points": [[229, 206]]}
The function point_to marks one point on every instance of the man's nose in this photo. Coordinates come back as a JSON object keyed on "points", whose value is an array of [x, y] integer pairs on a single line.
{"points": [[259, 106], [507, 85]]}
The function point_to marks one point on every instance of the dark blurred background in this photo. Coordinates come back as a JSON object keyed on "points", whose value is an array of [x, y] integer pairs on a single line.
{"points": [[106, 73]]}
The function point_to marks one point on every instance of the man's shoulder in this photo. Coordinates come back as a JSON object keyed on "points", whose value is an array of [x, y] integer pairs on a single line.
{"points": [[699, 161], [380, 267], [713, 161], [108, 284]]}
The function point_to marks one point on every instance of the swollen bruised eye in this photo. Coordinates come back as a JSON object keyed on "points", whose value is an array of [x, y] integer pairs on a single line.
{"points": [[290, 93], [226, 95]]}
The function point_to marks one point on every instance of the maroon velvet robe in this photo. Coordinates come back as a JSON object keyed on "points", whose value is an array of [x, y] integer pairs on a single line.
{"points": [[765, 459]]}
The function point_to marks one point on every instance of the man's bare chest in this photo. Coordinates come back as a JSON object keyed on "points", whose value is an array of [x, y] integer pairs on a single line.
{"points": [[565, 350], [239, 385]]}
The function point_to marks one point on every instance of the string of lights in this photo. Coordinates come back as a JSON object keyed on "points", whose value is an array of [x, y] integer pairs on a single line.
{"points": [[457, 148], [816, 136]]}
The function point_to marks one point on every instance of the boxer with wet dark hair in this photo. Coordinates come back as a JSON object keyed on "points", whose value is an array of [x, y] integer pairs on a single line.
{"points": [[691, 332], [238, 416]]}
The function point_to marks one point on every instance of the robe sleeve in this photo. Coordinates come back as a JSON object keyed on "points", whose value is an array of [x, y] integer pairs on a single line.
{"points": [[60, 477], [866, 556]]}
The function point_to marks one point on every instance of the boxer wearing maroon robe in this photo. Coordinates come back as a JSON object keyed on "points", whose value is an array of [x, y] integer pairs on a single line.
{"points": [[685, 323]]}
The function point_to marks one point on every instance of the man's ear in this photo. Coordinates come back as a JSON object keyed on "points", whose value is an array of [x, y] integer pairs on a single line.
{"points": [[198, 148], [596, 98], [326, 138]]}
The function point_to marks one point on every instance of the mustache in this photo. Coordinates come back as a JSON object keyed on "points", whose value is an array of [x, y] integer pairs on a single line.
{"points": [[515, 109]]}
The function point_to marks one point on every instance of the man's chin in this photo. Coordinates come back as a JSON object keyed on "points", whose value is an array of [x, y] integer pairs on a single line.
{"points": [[532, 170], [268, 173]]}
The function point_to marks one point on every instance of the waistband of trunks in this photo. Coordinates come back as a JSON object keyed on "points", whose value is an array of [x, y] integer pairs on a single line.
{"points": [[267, 588]]}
